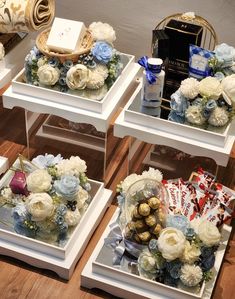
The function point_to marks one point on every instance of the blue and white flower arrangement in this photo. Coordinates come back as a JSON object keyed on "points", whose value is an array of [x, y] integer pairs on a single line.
{"points": [[91, 72], [57, 196]]}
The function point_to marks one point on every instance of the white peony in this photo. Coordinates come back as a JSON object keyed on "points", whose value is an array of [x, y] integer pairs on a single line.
{"points": [[82, 197], [73, 166], [41, 61], [39, 181], [189, 88], [228, 85], [219, 117], [48, 75], [102, 31], [2, 51], [77, 77], [72, 217], [171, 243], [210, 87], [191, 275], [208, 233], [152, 173], [40, 206], [95, 81], [194, 115], [129, 180], [191, 253]]}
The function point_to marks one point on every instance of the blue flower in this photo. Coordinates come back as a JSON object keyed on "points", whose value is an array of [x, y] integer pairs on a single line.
{"points": [[102, 51], [87, 187], [174, 116], [62, 209], [169, 280], [67, 187], [211, 105], [197, 102], [219, 75], [62, 81], [47, 160], [208, 262], [68, 64], [19, 213], [225, 53], [63, 72], [190, 233], [179, 103], [53, 61], [178, 221], [153, 246]]}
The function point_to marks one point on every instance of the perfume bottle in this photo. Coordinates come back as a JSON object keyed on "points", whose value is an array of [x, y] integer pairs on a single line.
{"points": [[152, 90]]}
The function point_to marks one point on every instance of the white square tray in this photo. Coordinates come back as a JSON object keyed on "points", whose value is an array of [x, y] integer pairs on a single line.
{"points": [[62, 260], [19, 86], [129, 286], [132, 114]]}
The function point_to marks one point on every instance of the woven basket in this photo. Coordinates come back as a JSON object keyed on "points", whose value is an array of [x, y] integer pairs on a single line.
{"points": [[41, 43]]}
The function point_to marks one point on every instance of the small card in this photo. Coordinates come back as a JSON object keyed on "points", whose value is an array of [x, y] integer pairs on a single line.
{"points": [[66, 35]]}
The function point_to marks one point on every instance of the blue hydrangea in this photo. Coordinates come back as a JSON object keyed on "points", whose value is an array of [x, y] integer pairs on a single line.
{"points": [[174, 268], [179, 103], [178, 221], [102, 52], [208, 262], [47, 160], [169, 280]]}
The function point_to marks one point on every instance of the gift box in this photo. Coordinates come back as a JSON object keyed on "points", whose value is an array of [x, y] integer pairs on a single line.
{"points": [[160, 44], [181, 34]]}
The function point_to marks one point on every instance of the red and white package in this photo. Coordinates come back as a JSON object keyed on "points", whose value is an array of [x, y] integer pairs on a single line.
{"points": [[205, 179], [172, 187], [211, 201], [225, 195], [218, 215]]}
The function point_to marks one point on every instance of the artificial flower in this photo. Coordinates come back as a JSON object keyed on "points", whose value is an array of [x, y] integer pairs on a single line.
{"points": [[72, 218], [128, 181], [225, 54], [219, 75], [82, 197], [95, 81], [210, 88], [178, 221], [102, 31], [48, 75], [153, 174], [178, 118], [218, 117], [2, 51], [189, 88], [102, 51], [179, 103], [171, 243], [208, 233], [194, 115], [191, 275], [228, 85], [40, 206], [77, 77], [67, 187], [39, 181], [147, 261], [73, 166], [191, 253], [47, 160], [41, 61]]}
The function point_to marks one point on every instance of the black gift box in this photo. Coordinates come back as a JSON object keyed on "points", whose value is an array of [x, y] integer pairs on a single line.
{"points": [[181, 34], [160, 44]]}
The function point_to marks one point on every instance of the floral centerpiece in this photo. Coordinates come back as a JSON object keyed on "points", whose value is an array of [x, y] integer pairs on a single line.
{"points": [[91, 74], [209, 102], [48, 197], [169, 228]]}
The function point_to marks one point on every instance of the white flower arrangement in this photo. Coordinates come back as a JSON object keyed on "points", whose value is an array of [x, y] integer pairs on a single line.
{"points": [[102, 31]]}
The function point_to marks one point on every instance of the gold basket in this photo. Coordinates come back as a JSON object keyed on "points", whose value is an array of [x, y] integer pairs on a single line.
{"points": [[86, 46]]}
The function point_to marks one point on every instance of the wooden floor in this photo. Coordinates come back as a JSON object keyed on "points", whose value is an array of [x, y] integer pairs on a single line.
{"points": [[19, 280]]}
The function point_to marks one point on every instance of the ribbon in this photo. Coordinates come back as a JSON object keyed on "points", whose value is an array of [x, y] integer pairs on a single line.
{"points": [[120, 244], [150, 76]]}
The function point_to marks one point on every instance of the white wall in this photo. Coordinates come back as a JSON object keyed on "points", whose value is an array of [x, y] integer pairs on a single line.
{"points": [[134, 20]]}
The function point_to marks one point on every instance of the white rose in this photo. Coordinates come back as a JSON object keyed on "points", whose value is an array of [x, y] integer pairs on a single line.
{"points": [[39, 181], [79, 165], [40, 206], [48, 75], [147, 262], [194, 115], [77, 77], [72, 166], [208, 233], [2, 51], [191, 253], [189, 88], [72, 217], [210, 87], [102, 31], [81, 197], [228, 85], [171, 243]]}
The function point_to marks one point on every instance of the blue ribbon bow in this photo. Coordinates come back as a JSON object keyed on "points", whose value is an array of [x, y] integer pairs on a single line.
{"points": [[150, 76]]}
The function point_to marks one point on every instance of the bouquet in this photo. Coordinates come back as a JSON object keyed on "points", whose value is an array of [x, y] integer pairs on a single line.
{"points": [[90, 76], [209, 102], [170, 228], [48, 197]]}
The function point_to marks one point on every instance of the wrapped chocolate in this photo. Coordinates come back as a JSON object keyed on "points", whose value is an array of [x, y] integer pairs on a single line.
{"points": [[146, 206]]}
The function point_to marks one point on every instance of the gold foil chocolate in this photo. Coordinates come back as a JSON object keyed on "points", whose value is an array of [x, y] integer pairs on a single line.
{"points": [[144, 209], [145, 236], [157, 229], [154, 202], [136, 214], [151, 220]]}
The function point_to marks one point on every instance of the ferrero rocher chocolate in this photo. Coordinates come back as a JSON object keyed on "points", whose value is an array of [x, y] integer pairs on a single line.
{"points": [[151, 220], [157, 229], [137, 239], [144, 209], [136, 214], [154, 202], [145, 236], [161, 215], [139, 224]]}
